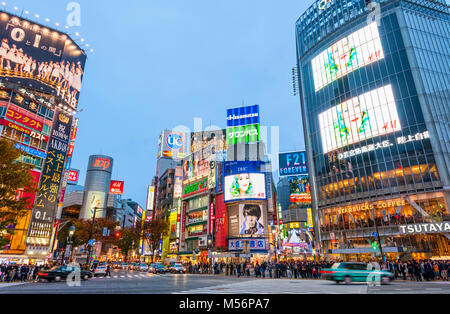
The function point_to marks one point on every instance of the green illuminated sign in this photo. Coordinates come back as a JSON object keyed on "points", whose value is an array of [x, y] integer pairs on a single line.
{"points": [[197, 186], [243, 134]]}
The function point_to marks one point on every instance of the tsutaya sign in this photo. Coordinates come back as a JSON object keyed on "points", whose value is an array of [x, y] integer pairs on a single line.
{"points": [[436, 227]]}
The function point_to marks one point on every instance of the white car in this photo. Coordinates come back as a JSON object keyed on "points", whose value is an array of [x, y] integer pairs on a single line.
{"points": [[100, 271], [143, 267]]}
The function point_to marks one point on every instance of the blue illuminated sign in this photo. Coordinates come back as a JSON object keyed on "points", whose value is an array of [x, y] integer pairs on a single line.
{"points": [[243, 116], [291, 164], [31, 151]]}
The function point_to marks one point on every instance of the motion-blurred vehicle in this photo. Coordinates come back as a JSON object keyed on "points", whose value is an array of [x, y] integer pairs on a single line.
{"points": [[143, 267], [132, 266], [59, 273], [100, 271], [158, 268], [177, 268], [124, 266], [356, 272]]}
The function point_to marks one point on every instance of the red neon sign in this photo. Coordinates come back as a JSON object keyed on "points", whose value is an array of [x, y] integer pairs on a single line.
{"points": [[103, 163]]}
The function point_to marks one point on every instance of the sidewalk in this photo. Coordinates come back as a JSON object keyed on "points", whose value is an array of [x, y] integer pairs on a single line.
{"points": [[5, 284]]}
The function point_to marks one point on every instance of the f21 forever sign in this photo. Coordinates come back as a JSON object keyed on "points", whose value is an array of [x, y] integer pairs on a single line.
{"points": [[41, 223]]}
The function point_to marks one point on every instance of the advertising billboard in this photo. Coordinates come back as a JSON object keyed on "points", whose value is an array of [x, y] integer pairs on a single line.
{"points": [[357, 50], [178, 186], [293, 163], [150, 197], [41, 58], [95, 199], [359, 118], [116, 187], [211, 142], [237, 167], [251, 219], [243, 116], [243, 134], [194, 169], [47, 197], [22, 117], [172, 145], [245, 186], [221, 223], [73, 176], [299, 189]]}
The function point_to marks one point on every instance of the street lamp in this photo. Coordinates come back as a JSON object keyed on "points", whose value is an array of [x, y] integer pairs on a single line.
{"points": [[209, 252], [71, 233], [91, 234]]}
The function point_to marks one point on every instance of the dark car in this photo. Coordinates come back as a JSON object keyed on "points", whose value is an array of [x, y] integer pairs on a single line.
{"points": [[59, 273], [158, 269]]}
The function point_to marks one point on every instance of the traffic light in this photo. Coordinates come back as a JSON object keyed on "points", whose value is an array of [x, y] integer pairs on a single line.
{"points": [[374, 245], [117, 234]]}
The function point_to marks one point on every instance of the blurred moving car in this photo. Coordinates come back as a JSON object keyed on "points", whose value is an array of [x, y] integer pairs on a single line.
{"points": [[59, 273], [100, 271], [356, 272], [158, 268], [124, 266], [177, 268], [143, 267]]}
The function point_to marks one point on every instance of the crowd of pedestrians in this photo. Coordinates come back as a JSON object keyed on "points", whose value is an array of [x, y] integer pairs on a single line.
{"points": [[21, 272], [421, 270]]}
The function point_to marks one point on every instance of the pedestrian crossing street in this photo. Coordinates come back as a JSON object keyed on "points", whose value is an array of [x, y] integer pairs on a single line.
{"points": [[134, 276], [277, 286]]}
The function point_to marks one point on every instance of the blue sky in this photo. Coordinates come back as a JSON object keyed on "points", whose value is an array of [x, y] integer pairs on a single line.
{"points": [[159, 64]]}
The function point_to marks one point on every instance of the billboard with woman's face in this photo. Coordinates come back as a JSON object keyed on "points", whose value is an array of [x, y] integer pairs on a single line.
{"points": [[245, 186], [251, 218]]}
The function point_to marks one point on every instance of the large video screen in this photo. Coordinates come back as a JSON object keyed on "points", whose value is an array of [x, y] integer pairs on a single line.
{"points": [[245, 186], [299, 189], [251, 220], [359, 118], [348, 54], [34, 56]]}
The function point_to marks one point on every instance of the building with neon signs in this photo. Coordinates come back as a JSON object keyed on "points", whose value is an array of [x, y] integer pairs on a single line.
{"points": [[374, 94]]}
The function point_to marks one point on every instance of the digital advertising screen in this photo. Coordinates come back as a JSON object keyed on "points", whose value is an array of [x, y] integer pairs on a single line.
{"points": [[251, 219], [299, 189], [40, 58], [359, 118], [357, 50], [245, 186], [210, 142]]}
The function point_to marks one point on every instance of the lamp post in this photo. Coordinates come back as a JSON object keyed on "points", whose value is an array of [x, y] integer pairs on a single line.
{"points": [[71, 233], [91, 234]]}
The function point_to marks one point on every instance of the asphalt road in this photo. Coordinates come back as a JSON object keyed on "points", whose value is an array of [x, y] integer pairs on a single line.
{"points": [[135, 282]]}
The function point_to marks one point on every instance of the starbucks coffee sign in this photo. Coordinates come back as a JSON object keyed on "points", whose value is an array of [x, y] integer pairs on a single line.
{"points": [[436, 227]]}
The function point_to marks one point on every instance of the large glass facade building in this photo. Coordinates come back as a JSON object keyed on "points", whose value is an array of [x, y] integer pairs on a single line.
{"points": [[376, 109]]}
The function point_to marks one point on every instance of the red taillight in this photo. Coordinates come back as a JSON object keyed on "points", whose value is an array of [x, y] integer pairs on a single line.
{"points": [[42, 274], [327, 272]]}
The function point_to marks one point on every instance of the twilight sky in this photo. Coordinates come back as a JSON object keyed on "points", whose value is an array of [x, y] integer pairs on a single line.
{"points": [[159, 64]]}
